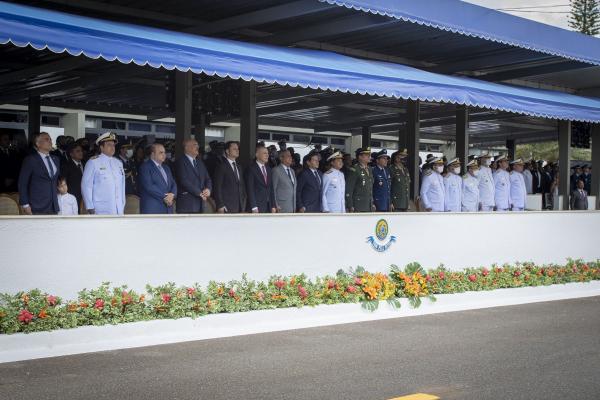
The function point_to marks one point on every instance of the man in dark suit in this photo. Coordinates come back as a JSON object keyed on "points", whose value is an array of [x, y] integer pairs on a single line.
{"points": [[308, 196], [229, 190], [193, 181], [259, 184], [38, 179], [62, 148], [157, 185], [9, 165], [579, 199], [72, 170]]}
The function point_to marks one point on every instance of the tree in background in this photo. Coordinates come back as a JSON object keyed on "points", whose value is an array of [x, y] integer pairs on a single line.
{"points": [[585, 16]]}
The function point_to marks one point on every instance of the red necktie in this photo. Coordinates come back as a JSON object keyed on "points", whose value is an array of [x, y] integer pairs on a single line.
{"points": [[264, 172]]}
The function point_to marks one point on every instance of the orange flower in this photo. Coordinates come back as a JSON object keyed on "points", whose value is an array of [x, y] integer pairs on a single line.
{"points": [[43, 314], [83, 304], [72, 307], [220, 290], [293, 281], [142, 298], [25, 298]]}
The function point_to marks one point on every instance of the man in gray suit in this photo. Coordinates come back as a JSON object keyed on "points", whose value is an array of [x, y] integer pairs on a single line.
{"points": [[284, 184], [579, 199]]}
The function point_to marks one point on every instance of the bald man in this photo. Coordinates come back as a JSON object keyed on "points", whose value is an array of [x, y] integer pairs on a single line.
{"points": [[194, 185]]}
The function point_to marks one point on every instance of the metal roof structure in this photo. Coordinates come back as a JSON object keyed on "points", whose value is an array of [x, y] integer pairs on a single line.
{"points": [[96, 85]]}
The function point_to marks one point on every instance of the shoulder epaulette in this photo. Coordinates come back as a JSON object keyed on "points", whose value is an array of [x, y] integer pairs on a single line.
{"points": [[329, 171], [428, 172], [93, 158], [352, 169]]}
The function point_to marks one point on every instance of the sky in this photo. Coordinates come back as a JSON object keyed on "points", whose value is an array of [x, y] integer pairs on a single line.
{"points": [[552, 12]]}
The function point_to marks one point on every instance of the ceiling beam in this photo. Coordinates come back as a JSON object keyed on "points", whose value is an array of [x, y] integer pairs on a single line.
{"points": [[64, 64], [533, 71], [115, 9], [70, 83], [309, 105], [349, 24], [283, 11]]}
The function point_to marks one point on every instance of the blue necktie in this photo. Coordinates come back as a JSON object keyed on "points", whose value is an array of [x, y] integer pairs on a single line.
{"points": [[50, 167], [163, 173]]}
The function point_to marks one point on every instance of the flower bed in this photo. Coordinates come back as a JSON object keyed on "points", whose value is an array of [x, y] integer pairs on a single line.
{"points": [[38, 311]]}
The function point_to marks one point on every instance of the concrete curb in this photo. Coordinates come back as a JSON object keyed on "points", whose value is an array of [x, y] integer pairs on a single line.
{"points": [[88, 339]]}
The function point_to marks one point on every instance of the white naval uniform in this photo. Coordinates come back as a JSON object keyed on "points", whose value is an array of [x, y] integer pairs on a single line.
{"points": [[502, 193], [470, 193], [103, 185], [486, 188], [452, 192], [432, 191], [518, 191], [334, 192]]}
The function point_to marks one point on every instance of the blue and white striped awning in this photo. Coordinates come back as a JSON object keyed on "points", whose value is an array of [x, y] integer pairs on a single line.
{"points": [[81, 36]]}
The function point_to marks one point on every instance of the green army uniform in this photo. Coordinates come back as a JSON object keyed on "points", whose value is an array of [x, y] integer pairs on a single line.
{"points": [[359, 189], [400, 187]]}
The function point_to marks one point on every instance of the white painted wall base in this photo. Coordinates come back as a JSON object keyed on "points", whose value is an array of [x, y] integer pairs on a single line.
{"points": [[136, 250], [87, 339]]}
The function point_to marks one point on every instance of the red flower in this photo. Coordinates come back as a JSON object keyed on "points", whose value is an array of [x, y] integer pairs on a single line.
{"points": [[585, 267], [517, 273], [99, 304], [125, 298], [231, 292], [472, 277], [302, 292], [166, 297], [330, 284], [279, 284], [191, 291], [485, 272], [351, 289], [428, 278], [441, 275], [574, 269], [51, 300], [25, 316], [357, 281]]}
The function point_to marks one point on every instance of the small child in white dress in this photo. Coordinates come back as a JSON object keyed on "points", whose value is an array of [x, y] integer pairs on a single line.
{"points": [[67, 203]]}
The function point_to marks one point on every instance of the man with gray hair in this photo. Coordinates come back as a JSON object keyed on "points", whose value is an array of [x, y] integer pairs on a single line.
{"points": [[193, 182], [284, 183], [38, 179]]}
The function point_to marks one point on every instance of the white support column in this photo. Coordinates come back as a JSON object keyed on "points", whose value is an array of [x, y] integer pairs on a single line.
{"points": [[74, 124]]}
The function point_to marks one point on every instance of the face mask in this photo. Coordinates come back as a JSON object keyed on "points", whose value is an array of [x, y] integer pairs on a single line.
{"points": [[439, 169], [456, 170], [129, 153], [476, 173]]}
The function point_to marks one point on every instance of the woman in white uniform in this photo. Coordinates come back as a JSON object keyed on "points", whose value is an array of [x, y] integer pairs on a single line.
{"points": [[334, 185]]}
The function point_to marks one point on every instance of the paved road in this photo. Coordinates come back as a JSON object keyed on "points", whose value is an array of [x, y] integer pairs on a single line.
{"points": [[537, 351]]}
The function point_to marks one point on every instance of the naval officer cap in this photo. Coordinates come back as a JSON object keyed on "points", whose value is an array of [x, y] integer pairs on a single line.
{"points": [[106, 137], [473, 164], [501, 157], [454, 161], [436, 160], [335, 156], [518, 161]]}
